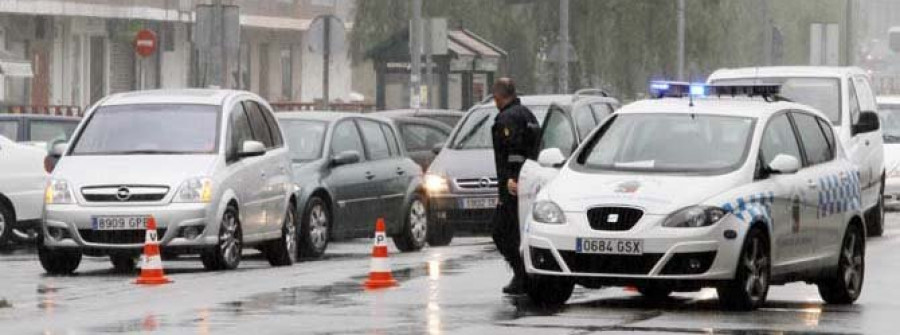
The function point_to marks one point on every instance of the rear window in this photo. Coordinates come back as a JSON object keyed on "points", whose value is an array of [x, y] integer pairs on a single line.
{"points": [[51, 131], [10, 130], [150, 129], [823, 94]]}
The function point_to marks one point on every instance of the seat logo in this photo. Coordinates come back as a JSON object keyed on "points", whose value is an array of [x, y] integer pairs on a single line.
{"points": [[123, 194], [484, 182], [612, 218]]}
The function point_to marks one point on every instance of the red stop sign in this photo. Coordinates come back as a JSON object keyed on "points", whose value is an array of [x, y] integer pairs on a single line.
{"points": [[145, 42]]}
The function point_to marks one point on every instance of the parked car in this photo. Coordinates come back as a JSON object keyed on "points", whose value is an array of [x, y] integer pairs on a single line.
{"points": [[209, 166], [422, 137], [845, 96], [889, 112], [22, 180], [446, 116], [462, 180], [669, 195], [42, 131], [352, 170]]}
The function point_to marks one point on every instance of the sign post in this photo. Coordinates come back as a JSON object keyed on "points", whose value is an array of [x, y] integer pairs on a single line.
{"points": [[145, 44]]}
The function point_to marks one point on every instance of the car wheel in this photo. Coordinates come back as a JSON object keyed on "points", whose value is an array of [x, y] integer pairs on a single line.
{"points": [[654, 292], [227, 253], [750, 286], [876, 222], [549, 291], [440, 233], [7, 221], [845, 286], [415, 228], [314, 228], [283, 251], [123, 263], [58, 262]]}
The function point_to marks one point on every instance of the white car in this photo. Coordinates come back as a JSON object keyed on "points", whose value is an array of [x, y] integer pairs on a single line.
{"points": [[22, 179], [845, 96], [675, 195], [889, 112]]}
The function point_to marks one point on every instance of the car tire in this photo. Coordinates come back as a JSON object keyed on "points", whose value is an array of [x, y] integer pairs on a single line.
{"points": [[440, 233], [750, 286], [7, 221], [876, 216], [58, 262], [414, 233], [845, 285], [315, 228], [654, 292], [549, 291], [226, 255], [283, 251], [123, 263]]}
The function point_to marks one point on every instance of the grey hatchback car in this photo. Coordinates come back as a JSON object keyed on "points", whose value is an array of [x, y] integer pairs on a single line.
{"points": [[208, 166], [351, 169]]}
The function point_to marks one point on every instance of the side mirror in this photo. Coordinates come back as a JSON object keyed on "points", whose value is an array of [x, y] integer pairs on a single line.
{"points": [[552, 157], [436, 149], [868, 122], [252, 149], [345, 158], [58, 149], [784, 164]]}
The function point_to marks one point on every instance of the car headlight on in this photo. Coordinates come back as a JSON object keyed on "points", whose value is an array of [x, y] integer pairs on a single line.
{"points": [[58, 192], [435, 183], [695, 217], [548, 212], [195, 190]]}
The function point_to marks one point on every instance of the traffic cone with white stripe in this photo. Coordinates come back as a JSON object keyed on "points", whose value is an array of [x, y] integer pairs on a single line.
{"points": [[380, 272], [151, 262]]}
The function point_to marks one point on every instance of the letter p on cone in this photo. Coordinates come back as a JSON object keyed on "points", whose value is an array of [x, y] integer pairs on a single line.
{"points": [[380, 273], [151, 262]]}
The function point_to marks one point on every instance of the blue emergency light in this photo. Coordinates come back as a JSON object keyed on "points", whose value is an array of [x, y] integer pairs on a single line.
{"points": [[672, 89]]}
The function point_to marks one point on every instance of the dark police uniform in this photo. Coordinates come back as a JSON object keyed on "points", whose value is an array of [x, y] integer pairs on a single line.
{"points": [[515, 135]]}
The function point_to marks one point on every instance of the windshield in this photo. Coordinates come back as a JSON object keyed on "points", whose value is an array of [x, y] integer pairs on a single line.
{"points": [[669, 143], [304, 138], [823, 94], [150, 129], [890, 122], [475, 130], [51, 131]]}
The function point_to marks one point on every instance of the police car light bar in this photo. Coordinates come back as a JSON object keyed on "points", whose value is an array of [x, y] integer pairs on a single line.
{"points": [[671, 89]]}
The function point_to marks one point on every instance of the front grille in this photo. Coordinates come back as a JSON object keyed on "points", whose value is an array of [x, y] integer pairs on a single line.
{"points": [[613, 218], [133, 198], [116, 236], [475, 183], [611, 264]]}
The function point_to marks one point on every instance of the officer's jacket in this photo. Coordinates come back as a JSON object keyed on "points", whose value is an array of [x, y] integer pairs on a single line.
{"points": [[515, 135]]}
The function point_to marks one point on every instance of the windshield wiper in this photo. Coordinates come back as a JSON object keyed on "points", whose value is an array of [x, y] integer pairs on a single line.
{"points": [[465, 138]]}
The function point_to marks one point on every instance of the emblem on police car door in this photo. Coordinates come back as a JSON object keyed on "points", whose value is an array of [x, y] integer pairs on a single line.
{"points": [[628, 187]]}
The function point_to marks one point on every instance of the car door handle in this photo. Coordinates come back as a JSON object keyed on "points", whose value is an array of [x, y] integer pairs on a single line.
{"points": [[401, 171], [262, 174], [369, 175], [812, 184]]}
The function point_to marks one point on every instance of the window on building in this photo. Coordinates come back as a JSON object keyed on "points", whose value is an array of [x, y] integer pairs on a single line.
{"points": [[287, 79]]}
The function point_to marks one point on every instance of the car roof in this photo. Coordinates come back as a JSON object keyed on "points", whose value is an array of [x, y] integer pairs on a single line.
{"points": [[536, 100], [420, 112], [888, 99], [40, 117], [327, 116], [173, 96], [756, 108], [786, 72]]}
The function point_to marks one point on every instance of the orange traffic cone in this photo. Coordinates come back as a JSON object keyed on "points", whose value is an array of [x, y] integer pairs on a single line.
{"points": [[151, 262], [380, 273]]}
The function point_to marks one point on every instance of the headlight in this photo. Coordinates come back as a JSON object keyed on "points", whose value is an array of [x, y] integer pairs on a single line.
{"points": [[435, 183], [695, 216], [195, 190], [548, 212], [58, 193]]}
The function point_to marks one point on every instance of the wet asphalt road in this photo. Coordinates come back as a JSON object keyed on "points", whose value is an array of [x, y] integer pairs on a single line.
{"points": [[449, 290]]}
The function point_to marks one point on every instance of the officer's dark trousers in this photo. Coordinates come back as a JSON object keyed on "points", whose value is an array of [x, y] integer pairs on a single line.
{"points": [[506, 234]]}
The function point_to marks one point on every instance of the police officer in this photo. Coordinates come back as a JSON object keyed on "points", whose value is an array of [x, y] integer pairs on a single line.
{"points": [[515, 135]]}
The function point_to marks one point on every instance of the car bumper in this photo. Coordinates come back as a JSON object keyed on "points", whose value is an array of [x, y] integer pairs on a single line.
{"points": [[449, 209], [892, 194], [669, 254], [74, 221]]}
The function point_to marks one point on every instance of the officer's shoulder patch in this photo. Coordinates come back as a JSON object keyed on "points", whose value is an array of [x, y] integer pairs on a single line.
{"points": [[506, 131]]}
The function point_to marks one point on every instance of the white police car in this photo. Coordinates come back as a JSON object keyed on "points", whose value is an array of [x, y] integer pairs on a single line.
{"points": [[738, 192]]}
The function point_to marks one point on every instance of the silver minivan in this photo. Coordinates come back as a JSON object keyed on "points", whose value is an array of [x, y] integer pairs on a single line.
{"points": [[209, 166]]}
